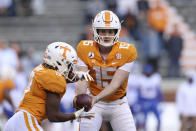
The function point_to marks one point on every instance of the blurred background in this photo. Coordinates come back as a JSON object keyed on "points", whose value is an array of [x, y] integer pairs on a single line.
{"points": [[163, 32]]}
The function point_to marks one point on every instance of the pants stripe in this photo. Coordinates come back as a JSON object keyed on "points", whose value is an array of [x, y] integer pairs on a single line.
{"points": [[80, 123], [27, 121], [34, 124]]}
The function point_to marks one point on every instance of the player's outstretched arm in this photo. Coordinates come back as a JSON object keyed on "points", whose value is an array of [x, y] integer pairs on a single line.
{"points": [[119, 77], [52, 110]]}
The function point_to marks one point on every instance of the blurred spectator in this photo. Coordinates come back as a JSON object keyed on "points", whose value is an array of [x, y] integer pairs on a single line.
{"points": [[151, 47], [15, 46], [150, 42], [174, 48], [111, 5], [13, 8], [125, 37], [131, 23], [38, 7], [1, 45], [4, 7], [7, 76], [143, 5], [21, 81], [186, 105], [93, 7], [88, 33], [8, 57], [157, 17], [26, 9], [28, 61], [123, 6], [150, 94]]}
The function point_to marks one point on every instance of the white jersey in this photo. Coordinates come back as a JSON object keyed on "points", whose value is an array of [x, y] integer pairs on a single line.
{"points": [[149, 85], [186, 99], [132, 88]]}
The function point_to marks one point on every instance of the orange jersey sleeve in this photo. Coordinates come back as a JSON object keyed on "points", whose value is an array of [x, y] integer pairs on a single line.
{"points": [[9, 84], [41, 79], [102, 70]]}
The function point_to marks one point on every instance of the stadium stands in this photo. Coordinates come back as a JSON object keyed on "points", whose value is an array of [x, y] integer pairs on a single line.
{"points": [[62, 21]]}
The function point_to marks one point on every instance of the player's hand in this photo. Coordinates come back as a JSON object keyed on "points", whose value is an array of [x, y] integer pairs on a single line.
{"points": [[81, 114], [84, 75]]}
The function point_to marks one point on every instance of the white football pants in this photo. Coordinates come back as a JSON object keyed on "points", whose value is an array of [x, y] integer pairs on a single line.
{"points": [[117, 112], [22, 121]]}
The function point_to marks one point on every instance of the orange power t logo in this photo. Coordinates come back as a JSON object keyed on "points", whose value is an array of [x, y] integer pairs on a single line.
{"points": [[65, 50]]}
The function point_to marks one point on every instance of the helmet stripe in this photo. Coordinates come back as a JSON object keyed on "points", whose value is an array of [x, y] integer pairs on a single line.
{"points": [[107, 18]]}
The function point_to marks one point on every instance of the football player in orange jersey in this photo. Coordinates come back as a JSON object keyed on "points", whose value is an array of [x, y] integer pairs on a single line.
{"points": [[7, 75], [109, 62], [47, 85]]}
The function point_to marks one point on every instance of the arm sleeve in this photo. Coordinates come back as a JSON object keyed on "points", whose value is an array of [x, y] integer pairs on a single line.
{"points": [[54, 86], [79, 50], [127, 67], [50, 81], [81, 63], [132, 53]]}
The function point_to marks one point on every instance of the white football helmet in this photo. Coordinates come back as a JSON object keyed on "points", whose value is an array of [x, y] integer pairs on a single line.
{"points": [[106, 20], [63, 57]]}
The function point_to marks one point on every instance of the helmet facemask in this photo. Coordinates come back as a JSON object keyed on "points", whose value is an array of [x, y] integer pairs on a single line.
{"points": [[102, 40], [69, 73]]}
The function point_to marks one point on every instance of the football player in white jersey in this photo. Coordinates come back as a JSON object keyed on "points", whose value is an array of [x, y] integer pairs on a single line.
{"points": [[109, 63], [150, 94]]}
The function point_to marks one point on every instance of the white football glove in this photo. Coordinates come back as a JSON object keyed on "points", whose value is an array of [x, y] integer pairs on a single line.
{"points": [[84, 75], [81, 114]]}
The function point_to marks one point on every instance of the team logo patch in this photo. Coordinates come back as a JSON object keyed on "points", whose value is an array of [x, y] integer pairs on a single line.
{"points": [[118, 56], [91, 55]]}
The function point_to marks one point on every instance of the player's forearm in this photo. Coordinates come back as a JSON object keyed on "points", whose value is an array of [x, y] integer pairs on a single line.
{"points": [[108, 91], [119, 77], [60, 117], [81, 87]]}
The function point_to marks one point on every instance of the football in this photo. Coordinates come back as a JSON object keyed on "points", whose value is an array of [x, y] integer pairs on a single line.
{"points": [[82, 100]]}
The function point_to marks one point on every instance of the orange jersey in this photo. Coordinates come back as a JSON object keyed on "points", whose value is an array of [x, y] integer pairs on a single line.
{"points": [[9, 84], [41, 80], [102, 70]]}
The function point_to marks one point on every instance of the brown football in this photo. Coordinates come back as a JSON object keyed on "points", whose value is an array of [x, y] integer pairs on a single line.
{"points": [[83, 100]]}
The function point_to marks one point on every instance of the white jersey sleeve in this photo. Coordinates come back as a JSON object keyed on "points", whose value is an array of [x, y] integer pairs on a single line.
{"points": [[81, 63], [127, 67]]}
